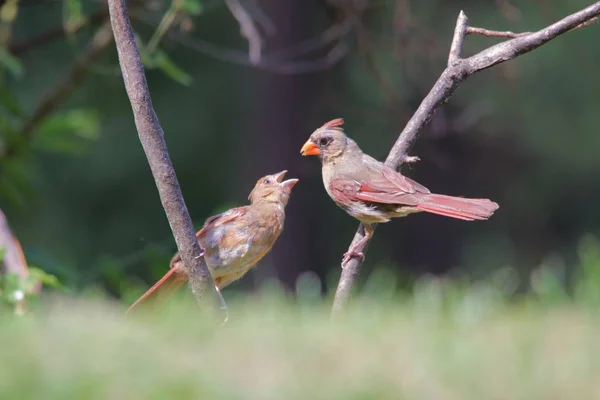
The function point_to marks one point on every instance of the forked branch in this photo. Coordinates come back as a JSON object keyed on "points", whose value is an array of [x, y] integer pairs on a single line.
{"points": [[458, 70]]}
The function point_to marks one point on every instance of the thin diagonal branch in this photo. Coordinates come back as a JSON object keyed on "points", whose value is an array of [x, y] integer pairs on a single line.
{"points": [[100, 42], [471, 30], [54, 34], [63, 89], [458, 70], [277, 61], [152, 138]]}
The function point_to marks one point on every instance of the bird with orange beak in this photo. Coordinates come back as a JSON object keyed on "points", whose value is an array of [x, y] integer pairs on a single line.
{"points": [[372, 192], [236, 240]]}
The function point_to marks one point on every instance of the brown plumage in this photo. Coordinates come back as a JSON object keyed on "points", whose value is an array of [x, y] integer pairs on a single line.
{"points": [[234, 241], [372, 192]]}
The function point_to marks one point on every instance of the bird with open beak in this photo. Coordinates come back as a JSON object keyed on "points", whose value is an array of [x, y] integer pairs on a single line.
{"points": [[372, 192], [234, 241]]}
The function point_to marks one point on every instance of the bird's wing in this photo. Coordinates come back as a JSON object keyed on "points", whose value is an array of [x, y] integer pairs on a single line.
{"points": [[221, 219], [213, 222], [384, 185]]}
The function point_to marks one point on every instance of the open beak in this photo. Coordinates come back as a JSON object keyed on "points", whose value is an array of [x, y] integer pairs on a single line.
{"points": [[289, 184], [279, 176], [310, 149]]}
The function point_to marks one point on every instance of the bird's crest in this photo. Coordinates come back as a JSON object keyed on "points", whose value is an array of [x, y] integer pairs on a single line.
{"points": [[334, 124]]}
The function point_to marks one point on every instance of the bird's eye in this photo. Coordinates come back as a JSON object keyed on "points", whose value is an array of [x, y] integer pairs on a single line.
{"points": [[324, 141], [267, 181]]}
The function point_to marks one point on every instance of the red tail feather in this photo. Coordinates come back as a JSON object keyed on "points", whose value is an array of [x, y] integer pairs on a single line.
{"points": [[172, 281], [458, 207]]}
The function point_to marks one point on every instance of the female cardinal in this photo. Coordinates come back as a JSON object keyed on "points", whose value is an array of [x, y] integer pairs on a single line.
{"points": [[372, 192], [234, 241]]}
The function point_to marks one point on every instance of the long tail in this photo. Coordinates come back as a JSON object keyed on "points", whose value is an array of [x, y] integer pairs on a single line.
{"points": [[458, 207], [172, 281]]}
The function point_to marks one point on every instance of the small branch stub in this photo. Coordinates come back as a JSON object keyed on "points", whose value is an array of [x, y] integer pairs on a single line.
{"points": [[460, 31]]}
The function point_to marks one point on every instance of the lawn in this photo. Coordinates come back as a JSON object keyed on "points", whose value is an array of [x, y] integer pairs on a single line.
{"points": [[439, 342]]}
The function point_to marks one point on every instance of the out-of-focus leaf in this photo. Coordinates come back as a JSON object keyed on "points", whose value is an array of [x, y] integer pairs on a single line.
{"points": [[38, 275], [68, 132], [192, 7], [16, 180], [73, 17], [164, 63], [12, 63], [10, 103], [159, 59], [16, 176]]}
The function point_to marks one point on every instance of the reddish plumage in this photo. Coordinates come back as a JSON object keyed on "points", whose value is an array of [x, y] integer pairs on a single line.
{"points": [[234, 241], [372, 192]]}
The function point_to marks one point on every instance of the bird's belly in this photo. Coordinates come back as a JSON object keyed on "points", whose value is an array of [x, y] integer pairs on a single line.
{"points": [[227, 259], [365, 213]]}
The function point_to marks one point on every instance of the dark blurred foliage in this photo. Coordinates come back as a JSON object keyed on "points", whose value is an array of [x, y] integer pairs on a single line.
{"points": [[80, 197]]}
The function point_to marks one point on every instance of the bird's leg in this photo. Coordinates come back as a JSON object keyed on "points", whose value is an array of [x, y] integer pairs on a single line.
{"points": [[352, 252], [223, 305]]}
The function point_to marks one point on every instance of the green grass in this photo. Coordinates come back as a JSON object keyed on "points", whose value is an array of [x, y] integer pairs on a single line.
{"points": [[440, 343], [443, 339]]}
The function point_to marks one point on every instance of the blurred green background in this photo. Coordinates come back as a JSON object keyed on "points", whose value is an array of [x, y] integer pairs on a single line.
{"points": [[78, 193]]}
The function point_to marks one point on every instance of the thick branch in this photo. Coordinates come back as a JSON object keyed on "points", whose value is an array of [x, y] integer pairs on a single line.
{"points": [[457, 71], [152, 138]]}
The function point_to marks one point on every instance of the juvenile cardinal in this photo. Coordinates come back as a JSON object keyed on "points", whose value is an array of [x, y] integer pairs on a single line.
{"points": [[371, 192], [234, 241]]}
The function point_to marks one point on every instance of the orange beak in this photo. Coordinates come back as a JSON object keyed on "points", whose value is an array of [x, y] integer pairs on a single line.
{"points": [[310, 149]]}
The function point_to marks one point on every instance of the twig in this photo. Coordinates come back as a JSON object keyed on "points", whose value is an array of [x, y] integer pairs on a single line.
{"points": [[512, 35], [458, 39], [257, 14], [458, 70], [248, 29], [275, 65], [276, 61], [53, 34], [152, 138]]}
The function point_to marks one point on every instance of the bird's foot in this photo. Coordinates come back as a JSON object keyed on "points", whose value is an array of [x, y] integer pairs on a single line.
{"points": [[349, 254], [202, 253], [411, 159]]}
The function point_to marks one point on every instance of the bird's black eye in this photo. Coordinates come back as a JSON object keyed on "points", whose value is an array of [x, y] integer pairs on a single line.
{"points": [[267, 181], [324, 141]]}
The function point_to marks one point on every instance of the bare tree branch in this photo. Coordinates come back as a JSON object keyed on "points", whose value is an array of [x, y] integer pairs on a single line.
{"points": [[277, 61], [152, 138], [458, 70], [248, 28]]}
